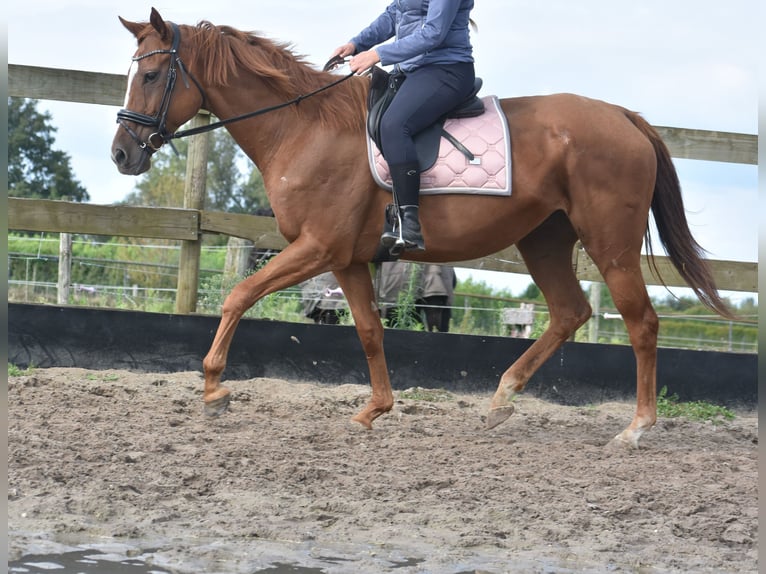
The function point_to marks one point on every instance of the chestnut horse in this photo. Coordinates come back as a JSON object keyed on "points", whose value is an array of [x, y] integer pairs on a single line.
{"points": [[582, 170]]}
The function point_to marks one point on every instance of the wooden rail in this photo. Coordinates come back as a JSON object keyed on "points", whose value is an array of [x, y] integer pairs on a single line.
{"points": [[66, 85], [109, 89], [187, 224], [63, 216]]}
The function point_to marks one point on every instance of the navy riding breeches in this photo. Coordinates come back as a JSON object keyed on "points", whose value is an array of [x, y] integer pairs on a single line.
{"points": [[426, 95]]}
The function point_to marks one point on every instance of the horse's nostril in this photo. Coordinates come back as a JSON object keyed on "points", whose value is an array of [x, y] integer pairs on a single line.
{"points": [[118, 156]]}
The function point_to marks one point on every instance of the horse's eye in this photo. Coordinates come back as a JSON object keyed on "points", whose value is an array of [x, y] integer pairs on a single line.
{"points": [[149, 77]]}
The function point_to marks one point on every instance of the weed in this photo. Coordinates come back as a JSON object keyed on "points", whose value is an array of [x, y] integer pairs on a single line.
{"points": [[14, 371], [406, 314], [429, 395], [670, 406], [109, 378]]}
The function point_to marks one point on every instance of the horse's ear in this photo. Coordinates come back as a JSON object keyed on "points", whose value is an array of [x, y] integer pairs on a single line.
{"points": [[133, 27], [159, 24]]}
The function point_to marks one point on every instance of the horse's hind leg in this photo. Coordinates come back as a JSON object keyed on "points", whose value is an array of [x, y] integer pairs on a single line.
{"points": [[614, 240], [622, 274], [356, 283], [547, 253]]}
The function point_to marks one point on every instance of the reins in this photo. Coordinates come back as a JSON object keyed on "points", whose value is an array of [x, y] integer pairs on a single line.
{"points": [[159, 121], [295, 101]]}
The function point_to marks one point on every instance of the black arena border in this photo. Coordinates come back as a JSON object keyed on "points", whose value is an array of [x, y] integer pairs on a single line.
{"points": [[577, 374]]}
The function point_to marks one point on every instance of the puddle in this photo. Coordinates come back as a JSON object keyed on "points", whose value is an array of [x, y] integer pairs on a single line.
{"points": [[216, 556], [94, 562], [88, 561], [49, 557]]}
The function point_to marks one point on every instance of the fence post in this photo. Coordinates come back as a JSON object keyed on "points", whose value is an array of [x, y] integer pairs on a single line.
{"points": [[237, 257], [595, 304], [65, 268], [194, 198]]}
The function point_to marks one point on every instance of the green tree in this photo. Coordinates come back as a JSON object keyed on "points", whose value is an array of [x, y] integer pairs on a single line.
{"points": [[478, 308], [532, 293], [748, 307], [222, 173], [163, 185], [252, 197], [35, 169], [679, 304], [234, 184]]}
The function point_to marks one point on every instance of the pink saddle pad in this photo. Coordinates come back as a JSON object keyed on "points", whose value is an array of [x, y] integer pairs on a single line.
{"points": [[486, 136]]}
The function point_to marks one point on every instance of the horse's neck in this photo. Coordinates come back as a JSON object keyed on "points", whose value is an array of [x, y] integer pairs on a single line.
{"points": [[325, 100], [258, 137], [284, 135]]}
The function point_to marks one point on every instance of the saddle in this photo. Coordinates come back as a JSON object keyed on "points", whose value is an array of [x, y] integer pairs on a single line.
{"points": [[383, 88]]}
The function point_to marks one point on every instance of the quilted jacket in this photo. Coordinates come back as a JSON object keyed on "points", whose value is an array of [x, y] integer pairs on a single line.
{"points": [[424, 31]]}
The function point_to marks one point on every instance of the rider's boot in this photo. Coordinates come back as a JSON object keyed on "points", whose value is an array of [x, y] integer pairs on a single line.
{"points": [[406, 183]]}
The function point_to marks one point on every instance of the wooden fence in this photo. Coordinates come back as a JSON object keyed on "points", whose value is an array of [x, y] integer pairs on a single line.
{"points": [[188, 223]]}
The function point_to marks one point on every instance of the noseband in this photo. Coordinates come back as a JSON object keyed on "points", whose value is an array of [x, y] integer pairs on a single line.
{"points": [[159, 121]]}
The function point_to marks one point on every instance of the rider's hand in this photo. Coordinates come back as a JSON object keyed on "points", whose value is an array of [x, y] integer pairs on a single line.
{"points": [[347, 49], [363, 61]]}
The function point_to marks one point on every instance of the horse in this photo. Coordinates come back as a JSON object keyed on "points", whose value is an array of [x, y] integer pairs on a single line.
{"points": [[583, 170]]}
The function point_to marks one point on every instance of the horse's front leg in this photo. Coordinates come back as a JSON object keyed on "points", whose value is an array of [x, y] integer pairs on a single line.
{"points": [[296, 263], [356, 283]]}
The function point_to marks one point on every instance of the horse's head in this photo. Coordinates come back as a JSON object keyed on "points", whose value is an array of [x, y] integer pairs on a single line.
{"points": [[155, 104]]}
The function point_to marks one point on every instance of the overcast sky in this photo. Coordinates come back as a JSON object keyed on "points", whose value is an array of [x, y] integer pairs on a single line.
{"points": [[681, 63]]}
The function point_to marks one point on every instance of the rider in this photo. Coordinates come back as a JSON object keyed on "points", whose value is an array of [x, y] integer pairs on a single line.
{"points": [[432, 47]]}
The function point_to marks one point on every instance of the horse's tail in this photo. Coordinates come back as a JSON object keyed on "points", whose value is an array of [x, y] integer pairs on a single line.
{"points": [[675, 236]]}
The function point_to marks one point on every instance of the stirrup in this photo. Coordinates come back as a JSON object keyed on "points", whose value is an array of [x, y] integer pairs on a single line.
{"points": [[392, 240], [415, 245]]}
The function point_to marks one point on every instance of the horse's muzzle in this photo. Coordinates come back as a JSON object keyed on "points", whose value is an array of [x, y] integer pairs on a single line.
{"points": [[127, 165]]}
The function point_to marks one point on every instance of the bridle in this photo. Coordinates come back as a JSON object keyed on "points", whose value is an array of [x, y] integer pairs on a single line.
{"points": [[161, 136], [159, 121]]}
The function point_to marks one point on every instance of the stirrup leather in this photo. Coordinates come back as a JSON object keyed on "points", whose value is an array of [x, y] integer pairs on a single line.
{"points": [[392, 238]]}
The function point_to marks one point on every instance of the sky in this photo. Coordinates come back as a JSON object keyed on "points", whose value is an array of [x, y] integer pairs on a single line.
{"points": [[680, 63]]}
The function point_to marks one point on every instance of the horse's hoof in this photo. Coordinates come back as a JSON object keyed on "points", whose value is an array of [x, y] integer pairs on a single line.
{"points": [[363, 420], [499, 415], [622, 443], [217, 407]]}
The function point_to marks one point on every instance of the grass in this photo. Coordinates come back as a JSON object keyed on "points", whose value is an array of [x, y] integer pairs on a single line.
{"points": [[670, 406], [105, 378], [428, 395], [14, 371]]}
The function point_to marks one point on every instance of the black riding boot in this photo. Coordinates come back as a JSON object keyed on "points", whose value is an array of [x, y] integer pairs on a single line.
{"points": [[406, 183]]}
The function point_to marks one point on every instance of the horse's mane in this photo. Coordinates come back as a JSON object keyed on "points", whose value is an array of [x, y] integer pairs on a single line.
{"points": [[227, 51]]}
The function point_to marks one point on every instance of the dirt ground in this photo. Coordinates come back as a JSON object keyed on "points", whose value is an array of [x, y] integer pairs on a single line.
{"points": [[286, 477]]}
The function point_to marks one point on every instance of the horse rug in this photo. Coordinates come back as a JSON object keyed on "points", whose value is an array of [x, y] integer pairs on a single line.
{"points": [[486, 137]]}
